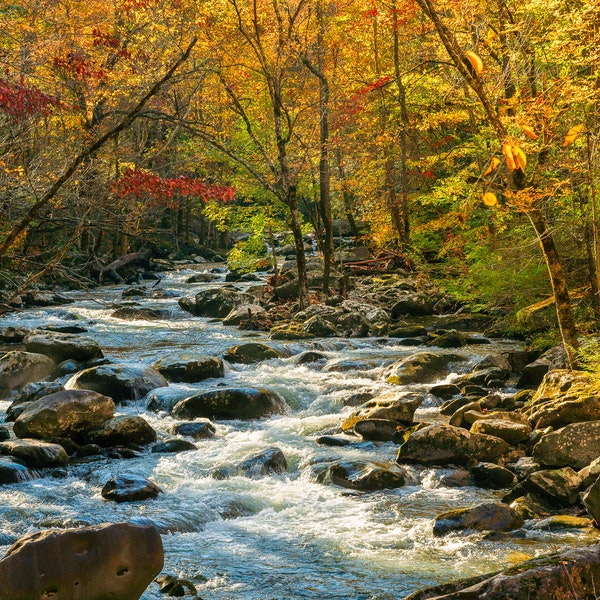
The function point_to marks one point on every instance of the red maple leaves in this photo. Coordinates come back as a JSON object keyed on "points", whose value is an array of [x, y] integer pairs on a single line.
{"points": [[18, 100], [168, 190]]}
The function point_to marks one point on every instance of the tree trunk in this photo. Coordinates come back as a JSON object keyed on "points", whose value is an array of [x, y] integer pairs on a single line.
{"points": [[292, 203]]}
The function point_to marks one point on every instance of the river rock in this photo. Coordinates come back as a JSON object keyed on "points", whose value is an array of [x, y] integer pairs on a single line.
{"points": [[407, 331], [66, 414], [4, 433], [119, 381], [436, 445], [512, 433], [269, 461], [564, 575], [202, 278], [558, 485], [392, 406], [60, 347], [230, 403], [564, 397], [13, 335], [30, 392], [244, 312], [319, 326], [449, 339], [129, 488], [190, 367], [488, 516], [591, 501], [376, 430], [35, 453], [200, 429], [493, 477], [116, 561], [13, 470], [173, 445], [417, 305], [123, 431], [488, 448], [250, 353], [575, 445], [20, 368], [421, 367], [364, 475], [308, 357], [534, 372], [215, 303]]}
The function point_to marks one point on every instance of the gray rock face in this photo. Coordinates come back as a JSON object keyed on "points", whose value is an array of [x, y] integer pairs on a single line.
{"points": [[66, 414], [190, 367], [60, 347], [121, 382], [35, 453], [215, 303], [422, 367], [575, 446], [564, 397], [129, 488], [230, 403], [489, 516], [20, 368], [123, 431], [116, 561]]}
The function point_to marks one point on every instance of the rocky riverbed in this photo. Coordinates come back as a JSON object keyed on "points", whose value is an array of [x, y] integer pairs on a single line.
{"points": [[365, 447]]}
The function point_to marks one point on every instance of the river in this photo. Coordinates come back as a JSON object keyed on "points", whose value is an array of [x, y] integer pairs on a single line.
{"points": [[278, 537]]}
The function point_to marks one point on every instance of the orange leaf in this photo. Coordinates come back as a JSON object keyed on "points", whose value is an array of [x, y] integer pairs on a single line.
{"points": [[475, 61], [508, 156], [492, 166], [519, 157], [572, 134], [529, 132]]}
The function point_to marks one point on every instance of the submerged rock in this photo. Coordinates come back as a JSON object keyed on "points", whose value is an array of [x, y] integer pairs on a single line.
{"points": [[14, 471], [269, 461], [119, 381], [200, 429], [116, 561], [363, 475], [230, 403]]}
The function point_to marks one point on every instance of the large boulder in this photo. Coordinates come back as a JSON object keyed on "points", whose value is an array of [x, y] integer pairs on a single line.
{"points": [[565, 575], [123, 431], [510, 432], [116, 561], [230, 403], [216, 302], [575, 446], [61, 346], [65, 414], [559, 486], [190, 367], [119, 381], [422, 367], [20, 368], [35, 453], [360, 474], [392, 406], [250, 353], [489, 516], [534, 372], [244, 312], [564, 397]]}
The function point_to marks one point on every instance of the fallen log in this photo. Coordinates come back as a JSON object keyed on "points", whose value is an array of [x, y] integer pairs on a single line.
{"points": [[100, 271]]}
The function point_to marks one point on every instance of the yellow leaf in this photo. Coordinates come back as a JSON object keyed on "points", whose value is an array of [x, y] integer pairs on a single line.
{"points": [[490, 199], [475, 61], [573, 133], [492, 166], [508, 156], [519, 157], [529, 132]]}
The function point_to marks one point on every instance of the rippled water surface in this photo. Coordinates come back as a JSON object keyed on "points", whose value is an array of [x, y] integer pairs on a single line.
{"points": [[282, 536]]}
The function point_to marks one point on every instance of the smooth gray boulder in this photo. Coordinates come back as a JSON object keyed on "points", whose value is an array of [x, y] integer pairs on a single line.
{"points": [[123, 431], [61, 346], [129, 488], [35, 453], [189, 367], [488, 516]]}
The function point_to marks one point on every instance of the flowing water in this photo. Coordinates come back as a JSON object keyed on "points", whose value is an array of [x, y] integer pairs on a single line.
{"points": [[277, 537]]}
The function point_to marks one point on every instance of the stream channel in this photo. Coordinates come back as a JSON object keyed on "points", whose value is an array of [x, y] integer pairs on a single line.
{"points": [[278, 537]]}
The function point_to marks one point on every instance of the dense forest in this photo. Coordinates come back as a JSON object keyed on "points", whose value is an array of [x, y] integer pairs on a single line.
{"points": [[459, 138]]}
